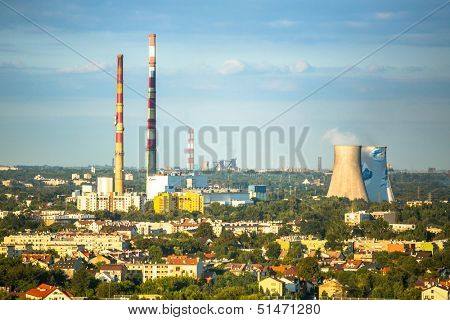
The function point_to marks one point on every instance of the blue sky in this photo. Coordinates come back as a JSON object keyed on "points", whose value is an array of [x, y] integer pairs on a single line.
{"points": [[225, 63]]}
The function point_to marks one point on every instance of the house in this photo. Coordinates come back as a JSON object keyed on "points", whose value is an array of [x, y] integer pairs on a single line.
{"points": [[102, 259], [47, 292], [235, 268], [423, 255], [436, 293], [43, 260], [69, 266], [353, 265], [291, 285], [422, 283], [331, 289], [272, 286], [111, 273]]}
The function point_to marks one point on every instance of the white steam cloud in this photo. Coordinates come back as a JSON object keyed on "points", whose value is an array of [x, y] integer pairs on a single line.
{"points": [[335, 136]]}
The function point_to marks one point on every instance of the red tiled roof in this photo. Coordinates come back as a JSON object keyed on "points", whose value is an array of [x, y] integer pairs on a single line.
{"points": [[30, 257], [209, 255], [43, 290]]}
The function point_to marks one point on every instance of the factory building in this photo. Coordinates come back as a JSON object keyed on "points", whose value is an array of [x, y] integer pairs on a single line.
{"points": [[258, 192], [234, 199], [170, 183], [189, 201]]}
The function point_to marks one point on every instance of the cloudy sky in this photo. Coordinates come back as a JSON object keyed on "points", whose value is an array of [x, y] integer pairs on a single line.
{"points": [[226, 64]]}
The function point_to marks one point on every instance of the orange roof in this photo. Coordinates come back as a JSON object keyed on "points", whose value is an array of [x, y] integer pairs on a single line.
{"points": [[209, 255], [280, 269], [352, 264], [181, 260], [43, 290]]}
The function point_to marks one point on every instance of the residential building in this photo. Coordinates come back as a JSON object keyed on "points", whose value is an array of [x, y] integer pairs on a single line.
{"points": [[112, 273], [331, 289], [436, 292], [356, 218], [185, 201], [47, 292], [272, 286], [175, 266], [65, 244], [401, 227], [164, 202], [69, 266], [113, 202]]}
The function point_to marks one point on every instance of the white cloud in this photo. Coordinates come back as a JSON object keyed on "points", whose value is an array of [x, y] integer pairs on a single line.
{"points": [[335, 136], [231, 66], [284, 23], [384, 15], [299, 66], [87, 68]]}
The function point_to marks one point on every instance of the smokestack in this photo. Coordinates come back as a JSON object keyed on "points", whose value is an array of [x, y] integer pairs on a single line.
{"points": [[347, 180], [150, 151], [118, 172], [190, 148]]}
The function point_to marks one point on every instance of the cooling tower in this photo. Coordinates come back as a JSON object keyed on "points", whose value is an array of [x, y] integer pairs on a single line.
{"points": [[347, 180], [375, 173]]}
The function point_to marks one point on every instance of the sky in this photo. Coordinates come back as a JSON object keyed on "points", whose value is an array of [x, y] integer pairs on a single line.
{"points": [[226, 66]]}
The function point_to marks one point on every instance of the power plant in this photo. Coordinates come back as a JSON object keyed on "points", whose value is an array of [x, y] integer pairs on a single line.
{"points": [[360, 172], [118, 171], [375, 174], [150, 151], [346, 180]]}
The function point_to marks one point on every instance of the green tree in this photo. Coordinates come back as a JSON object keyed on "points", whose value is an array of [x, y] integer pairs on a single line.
{"points": [[273, 251], [83, 284], [308, 268], [337, 232], [205, 230]]}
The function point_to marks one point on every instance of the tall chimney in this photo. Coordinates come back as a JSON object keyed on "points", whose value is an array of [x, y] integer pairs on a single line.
{"points": [[190, 148], [150, 150], [118, 172]]}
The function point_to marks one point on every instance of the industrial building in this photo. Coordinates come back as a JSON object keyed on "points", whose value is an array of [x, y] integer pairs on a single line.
{"points": [[171, 183], [226, 165], [234, 199], [258, 192]]}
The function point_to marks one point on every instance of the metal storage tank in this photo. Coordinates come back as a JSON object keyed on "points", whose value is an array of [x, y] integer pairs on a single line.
{"points": [[347, 180]]}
